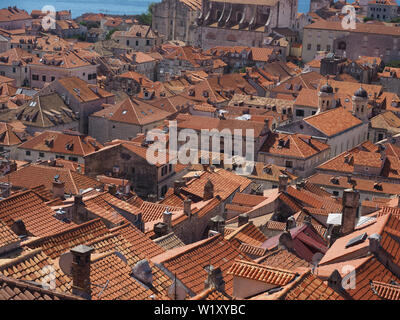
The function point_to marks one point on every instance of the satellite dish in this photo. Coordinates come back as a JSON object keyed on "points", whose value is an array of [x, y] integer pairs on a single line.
{"points": [[65, 263], [121, 256]]}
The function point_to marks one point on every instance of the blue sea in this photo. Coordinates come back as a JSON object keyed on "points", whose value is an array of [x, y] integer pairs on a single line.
{"points": [[79, 7]]}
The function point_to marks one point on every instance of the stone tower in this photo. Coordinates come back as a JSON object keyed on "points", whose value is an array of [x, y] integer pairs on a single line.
{"points": [[326, 99], [360, 104]]}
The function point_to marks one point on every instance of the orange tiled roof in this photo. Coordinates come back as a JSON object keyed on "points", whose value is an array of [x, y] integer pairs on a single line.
{"points": [[67, 142], [138, 240], [249, 234], [294, 145], [36, 175], [58, 243], [35, 214], [306, 287], [283, 259], [189, 262], [13, 14], [212, 295], [31, 266], [7, 236], [12, 289], [334, 121], [386, 291], [254, 271]]}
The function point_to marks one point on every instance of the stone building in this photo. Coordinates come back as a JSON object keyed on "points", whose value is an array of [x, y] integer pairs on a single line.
{"points": [[139, 37], [175, 19], [384, 10], [129, 160], [372, 40], [247, 23]]}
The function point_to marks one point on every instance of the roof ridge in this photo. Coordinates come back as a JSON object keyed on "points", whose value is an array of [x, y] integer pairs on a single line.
{"points": [[21, 258]]}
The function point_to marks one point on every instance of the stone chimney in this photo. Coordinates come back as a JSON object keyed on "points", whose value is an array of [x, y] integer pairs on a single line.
{"points": [[187, 207], [214, 279], [167, 219], [152, 198], [208, 190], [243, 219], [79, 213], [177, 187], [290, 223], [160, 229], [217, 224], [350, 204], [112, 189], [58, 189], [81, 271], [283, 182], [286, 241]]}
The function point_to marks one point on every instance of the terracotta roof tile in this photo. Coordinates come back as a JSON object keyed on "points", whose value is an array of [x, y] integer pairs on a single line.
{"points": [[248, 234], [7, 236], [283, 259], [189, 262], [253, 271], [38, 218]]}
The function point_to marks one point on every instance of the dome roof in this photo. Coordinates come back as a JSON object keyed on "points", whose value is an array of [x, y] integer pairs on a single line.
{"points": [[361, 93], [326, 88]]}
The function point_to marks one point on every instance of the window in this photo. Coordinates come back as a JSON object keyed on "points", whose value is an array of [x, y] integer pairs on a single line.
{"points": [[318, 47], [328, 47], [299, 113], [170, 167], [75, 159], [127, 42], [14, 70], [1, 149], [28, 153], [147, 42], [26, 70], [336, 193], [43, 78], [137, 43], [35, 77], [288, 164], [59, 157], [53, 78], [309, 46], [164, 170], [41, 154]]}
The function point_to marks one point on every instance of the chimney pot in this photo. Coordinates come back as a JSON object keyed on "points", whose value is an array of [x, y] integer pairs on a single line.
{"points": [[243, 219], [283, 182], [81, 271], [58, 189], [187, 207]]}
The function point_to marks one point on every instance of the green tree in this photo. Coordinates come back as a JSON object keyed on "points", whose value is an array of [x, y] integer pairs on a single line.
{"points": [[147, 18], [110, 33]]}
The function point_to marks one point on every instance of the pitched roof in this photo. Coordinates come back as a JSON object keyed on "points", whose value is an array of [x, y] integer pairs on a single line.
{"points": [[36, 175], [284, 259], [248, 233], [386, 291], [293, 145], [334, 121], [66, 142], [189, 262], [7, 236], [38, 218], [306, 287], [257, 272], [12, 289], [9, 136], [169, 241]]}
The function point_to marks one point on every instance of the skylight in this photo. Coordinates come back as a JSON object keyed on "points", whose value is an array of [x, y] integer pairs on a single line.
{"points": [[357, 240]]}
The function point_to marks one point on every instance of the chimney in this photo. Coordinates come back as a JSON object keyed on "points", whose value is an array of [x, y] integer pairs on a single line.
{"points": [[243, 219], [58, 189], [81, 271], [283, 182], [79, 214], [285, 240], [18, 227], [187, 207], [167, 219], [350, 204], [152, 198], [142, 271], [217, 224], [214, 279], [290, 223], [374, 243], [177, 187], [208, 190], [112, 189], [160, 229]]}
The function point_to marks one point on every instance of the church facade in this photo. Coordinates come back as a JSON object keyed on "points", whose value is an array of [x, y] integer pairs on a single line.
{"points": [[245, 23]]}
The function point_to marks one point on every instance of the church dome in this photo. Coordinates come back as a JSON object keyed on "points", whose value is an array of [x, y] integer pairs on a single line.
{"points": [[361, 93], [326, 88]]}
